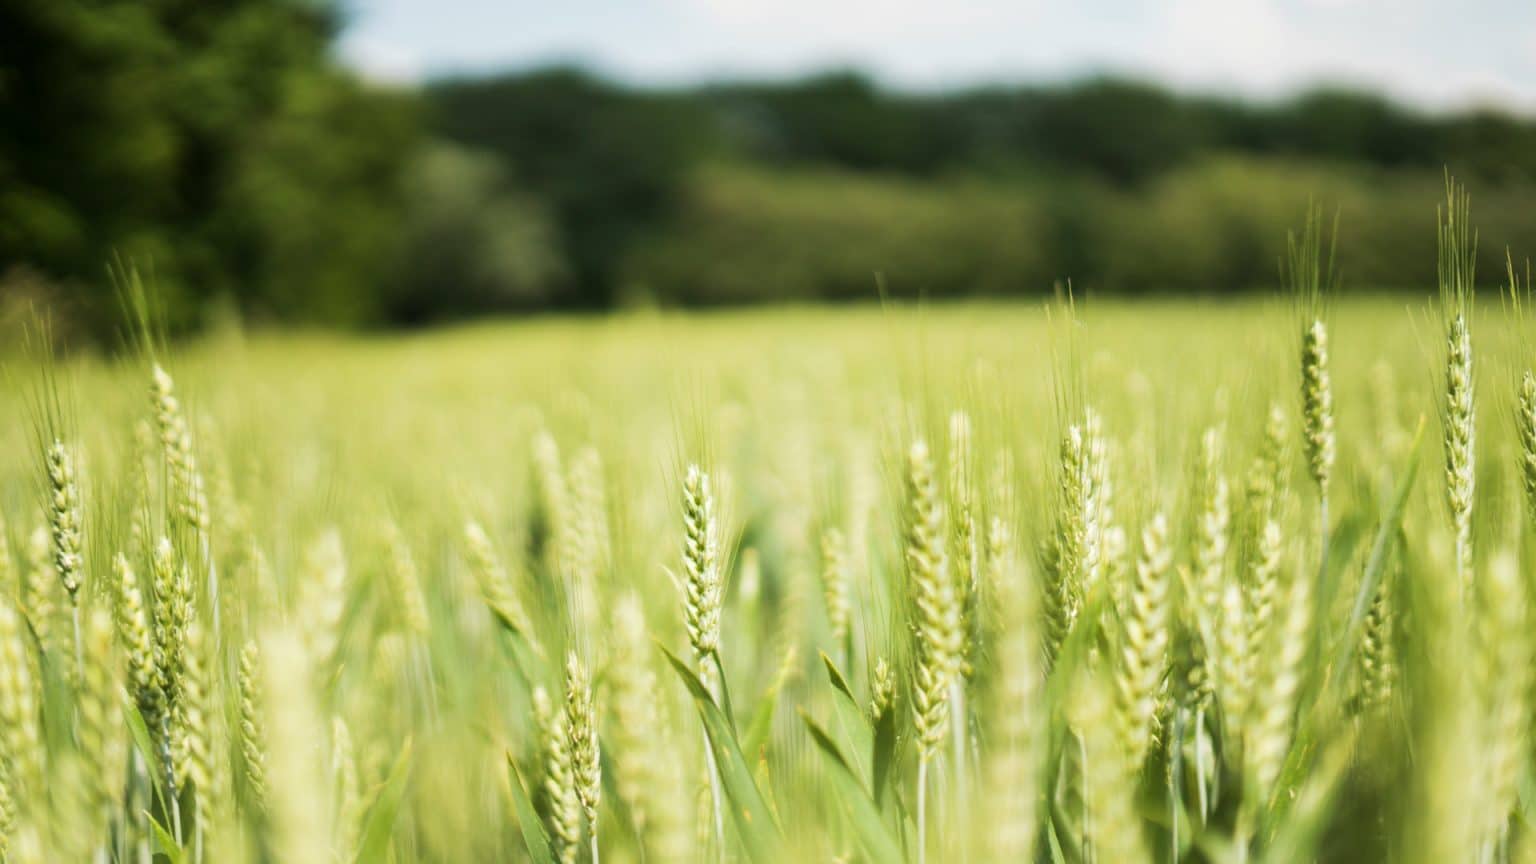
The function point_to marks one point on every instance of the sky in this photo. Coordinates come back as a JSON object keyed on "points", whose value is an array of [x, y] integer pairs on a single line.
{"points": [[1436, 54]]}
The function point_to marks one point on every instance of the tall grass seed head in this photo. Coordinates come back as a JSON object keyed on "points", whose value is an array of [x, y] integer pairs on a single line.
{"points": [[64, 519], [1317, 403], [935, 603], [704, 588], [1525, 421]]}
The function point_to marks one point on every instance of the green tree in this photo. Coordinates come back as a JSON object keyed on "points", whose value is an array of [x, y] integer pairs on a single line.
{"points": [[215, 144], [472, 243], [611, 163]]}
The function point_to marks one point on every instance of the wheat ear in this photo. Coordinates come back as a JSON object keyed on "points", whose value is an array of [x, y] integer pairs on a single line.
{"points": [[1457, 263], [581, 726], [1145, 640], [936, 619], [1013, 770], [1525, 421]]}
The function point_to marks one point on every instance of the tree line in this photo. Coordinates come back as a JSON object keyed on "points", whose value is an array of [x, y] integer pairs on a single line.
{"points": [[223, 150]]}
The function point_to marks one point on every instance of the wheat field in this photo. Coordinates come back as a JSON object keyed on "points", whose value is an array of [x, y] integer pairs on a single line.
{"points": [[1076, 581]]}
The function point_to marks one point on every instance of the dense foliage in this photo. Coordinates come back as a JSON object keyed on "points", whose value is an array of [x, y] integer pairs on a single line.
{"points": [[215, 144], [806, 190], [222, 148]]}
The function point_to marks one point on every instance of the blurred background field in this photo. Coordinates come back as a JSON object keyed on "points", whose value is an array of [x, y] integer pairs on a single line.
{"points": [[450, 411], [310, 438], [235, 155]]}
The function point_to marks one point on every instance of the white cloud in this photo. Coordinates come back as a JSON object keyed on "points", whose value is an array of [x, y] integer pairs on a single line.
{"points": [[915, 41], [1246, 44], [1428, 51], [381, 61]]}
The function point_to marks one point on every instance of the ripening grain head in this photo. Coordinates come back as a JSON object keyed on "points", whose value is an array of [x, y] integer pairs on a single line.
{"points": [[934, 603], [704, 587], [297, 827]]}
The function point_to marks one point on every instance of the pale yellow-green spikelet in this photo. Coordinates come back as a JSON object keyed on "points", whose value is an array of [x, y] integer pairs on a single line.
{"points": [[297, 826], [198, 760], [703, 584], [8, 812], [636, 732], [553, 499], [1378, 660], [962, 502], [1112, 540], [1457, 266], [1234, 680], [1144, 642], [254, 568], [1091, 517], [882, 696], [10, 575], [563, 804], [28, 844], [21, 743], [1317, 404], [1446, 796], [1275, 694], [1525, 421], [589, 491], [140, 469], [1000, 558], [835, 583], [1113, 826], [581, 726], [544, 736], [1209, 560], [1260, 553], [64, 519], [495, 584], [405, 579], [101, 734], [1505, 688], [133, 634], [1016, 739], [253, 746], [1263, 586], [934, 603], [1212, 525], [1266, 476], [69, 819], [1460, 439], [188, 496], [322, 598], [1075, 546], [172, 617], [347, 823], [587, 538], [40, 586]]}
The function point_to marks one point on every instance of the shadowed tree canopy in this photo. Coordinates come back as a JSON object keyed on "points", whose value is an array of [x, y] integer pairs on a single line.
{"points": [[215, 143], [607, 161]]}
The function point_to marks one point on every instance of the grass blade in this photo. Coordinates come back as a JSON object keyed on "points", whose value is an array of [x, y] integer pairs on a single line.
{"points": [[749, 809], [871, 829], [534, 838], [851, 718], [380, 824], [1329, 696]]}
